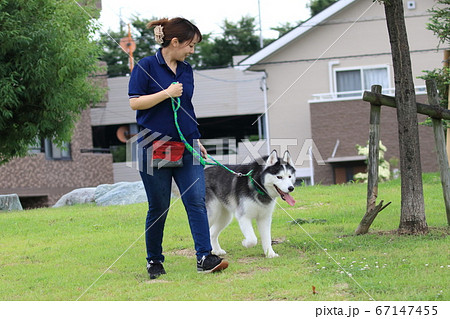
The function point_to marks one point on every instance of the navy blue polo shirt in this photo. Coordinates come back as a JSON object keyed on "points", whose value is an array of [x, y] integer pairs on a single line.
{"points": [[152, 75]]}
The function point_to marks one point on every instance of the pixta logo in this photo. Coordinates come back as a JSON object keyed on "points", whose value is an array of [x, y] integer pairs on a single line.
{"points": [[140, 150]]}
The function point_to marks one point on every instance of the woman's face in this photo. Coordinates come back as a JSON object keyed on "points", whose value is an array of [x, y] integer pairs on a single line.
{"points": [[186, 48]]}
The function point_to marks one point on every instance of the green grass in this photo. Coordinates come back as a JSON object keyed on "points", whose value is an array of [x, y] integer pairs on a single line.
{"points": [[61, 253]]}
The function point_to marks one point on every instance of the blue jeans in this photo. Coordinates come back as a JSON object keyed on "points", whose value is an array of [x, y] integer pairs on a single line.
{"points": [[158, 185]]}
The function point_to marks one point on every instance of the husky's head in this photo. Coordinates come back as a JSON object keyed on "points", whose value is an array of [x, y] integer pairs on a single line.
{"points": [[279, 176]]}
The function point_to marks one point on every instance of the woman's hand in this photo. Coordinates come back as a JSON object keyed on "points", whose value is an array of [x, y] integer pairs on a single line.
{"points": [[203, 151], [175, 89], [145, 102]]}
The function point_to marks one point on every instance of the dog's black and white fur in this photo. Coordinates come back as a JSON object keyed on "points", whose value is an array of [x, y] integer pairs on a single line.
{"points": [[248, 198]]}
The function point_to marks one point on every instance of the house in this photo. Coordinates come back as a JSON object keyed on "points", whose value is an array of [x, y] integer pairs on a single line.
{"points": [[315, 78]]}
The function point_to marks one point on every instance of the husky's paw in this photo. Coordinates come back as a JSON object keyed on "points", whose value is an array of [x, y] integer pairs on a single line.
{"points": [[219, 252], [248, 243], [272, 254]]}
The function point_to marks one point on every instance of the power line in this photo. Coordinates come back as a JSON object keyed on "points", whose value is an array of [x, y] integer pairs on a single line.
{"points": [[306, 24], [225, 80], [338, 57]]}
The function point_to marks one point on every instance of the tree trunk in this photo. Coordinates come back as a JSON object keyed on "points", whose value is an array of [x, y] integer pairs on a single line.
{"points": [[412, 218]]}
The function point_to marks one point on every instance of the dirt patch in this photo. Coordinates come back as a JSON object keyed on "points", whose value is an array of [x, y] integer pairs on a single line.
{"points": [[439, 231], [314, 205], [277, 241], [185, 252], [156, 281], [249, 260], [342, 290]]}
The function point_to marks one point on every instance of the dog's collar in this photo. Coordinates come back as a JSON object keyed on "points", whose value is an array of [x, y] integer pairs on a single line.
{"points": [[260, 192]]}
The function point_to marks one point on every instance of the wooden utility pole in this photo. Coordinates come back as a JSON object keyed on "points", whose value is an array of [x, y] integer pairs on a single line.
{"points": [[128, 46], [412, 219]]}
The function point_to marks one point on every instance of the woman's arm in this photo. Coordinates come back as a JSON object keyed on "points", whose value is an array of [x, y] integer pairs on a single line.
{"points": [[145, 102]]}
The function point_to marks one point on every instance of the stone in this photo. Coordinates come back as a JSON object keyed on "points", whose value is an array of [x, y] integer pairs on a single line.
{"points": [[123, 193], [105, 188], [77, 196], [10, 202]]}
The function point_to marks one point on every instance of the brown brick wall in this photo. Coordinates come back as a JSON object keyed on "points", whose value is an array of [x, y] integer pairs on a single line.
{"points": [[35, 176], [348, 121]]}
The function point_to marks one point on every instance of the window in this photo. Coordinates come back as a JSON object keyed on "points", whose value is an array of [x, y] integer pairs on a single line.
{"points": [[350, 82], [36, 147], [52, 151]]}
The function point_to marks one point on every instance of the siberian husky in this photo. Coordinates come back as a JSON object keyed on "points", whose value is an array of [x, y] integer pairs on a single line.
{"points": [[248, 198]]}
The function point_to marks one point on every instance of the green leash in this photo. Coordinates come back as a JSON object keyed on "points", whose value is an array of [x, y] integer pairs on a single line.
{"points": [[176, 104]]}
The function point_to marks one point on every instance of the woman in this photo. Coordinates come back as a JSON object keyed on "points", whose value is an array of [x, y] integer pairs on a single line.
{"points": [[154, 82]]}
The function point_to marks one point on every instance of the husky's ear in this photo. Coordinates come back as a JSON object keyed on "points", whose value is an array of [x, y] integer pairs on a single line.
{"points": [[288, 159], [272, 159]]}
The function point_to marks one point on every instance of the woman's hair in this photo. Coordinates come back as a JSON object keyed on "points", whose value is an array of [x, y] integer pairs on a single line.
{"points": [[179, 28]]}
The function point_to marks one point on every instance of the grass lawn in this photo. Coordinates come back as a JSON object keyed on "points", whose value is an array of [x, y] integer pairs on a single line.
{"points": [[87, 252]]}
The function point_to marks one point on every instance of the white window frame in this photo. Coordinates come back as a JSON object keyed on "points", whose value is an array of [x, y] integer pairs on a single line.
{"points": [[361, 69], [333, 95]]}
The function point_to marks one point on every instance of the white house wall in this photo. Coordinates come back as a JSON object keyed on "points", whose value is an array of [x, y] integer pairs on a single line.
{"points": [[291, 85]]}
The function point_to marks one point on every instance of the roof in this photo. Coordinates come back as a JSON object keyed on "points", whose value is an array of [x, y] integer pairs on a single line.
{"points": [[117, 110], [294, 34], [344, 159]]}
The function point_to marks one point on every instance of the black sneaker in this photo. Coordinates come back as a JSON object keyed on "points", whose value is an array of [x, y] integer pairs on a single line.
{"points": [[155, 269], [211, 263]]}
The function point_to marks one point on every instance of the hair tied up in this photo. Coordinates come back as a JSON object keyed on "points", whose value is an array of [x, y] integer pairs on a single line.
{"points": [[159, 34], [165, 30]]}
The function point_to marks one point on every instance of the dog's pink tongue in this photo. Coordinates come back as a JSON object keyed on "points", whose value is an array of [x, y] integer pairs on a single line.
{"points": [[289, 199]]}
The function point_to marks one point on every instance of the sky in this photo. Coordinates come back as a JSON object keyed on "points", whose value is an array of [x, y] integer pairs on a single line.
{"points": [[208, 15]]}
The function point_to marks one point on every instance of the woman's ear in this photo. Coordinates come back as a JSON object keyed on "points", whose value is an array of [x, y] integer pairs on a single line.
{"points": [[175, 42]]}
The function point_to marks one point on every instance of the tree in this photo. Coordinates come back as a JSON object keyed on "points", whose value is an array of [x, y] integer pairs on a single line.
{"points": [[412, 219], [116, 58], [440, 21], [46, 57], [316, 6], [440, 25], [282, 29], [145, 38], [237, 39]]}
